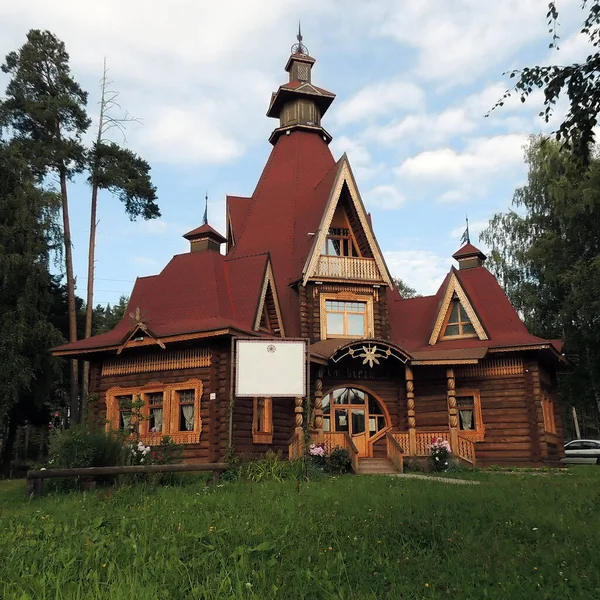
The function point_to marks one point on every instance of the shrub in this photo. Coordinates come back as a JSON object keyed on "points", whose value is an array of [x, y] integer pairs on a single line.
{"points": [[439, 458], [86, 446], [413, 465], [317, 455], [168, 452], [338, 461]]}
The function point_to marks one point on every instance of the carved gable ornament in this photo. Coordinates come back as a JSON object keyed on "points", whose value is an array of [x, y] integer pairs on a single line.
{"points": [[370, 353], [345, 177], [455, 292]]}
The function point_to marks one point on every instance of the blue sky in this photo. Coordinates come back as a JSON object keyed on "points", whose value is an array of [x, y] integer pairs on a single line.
{"points": [[413, 83]]}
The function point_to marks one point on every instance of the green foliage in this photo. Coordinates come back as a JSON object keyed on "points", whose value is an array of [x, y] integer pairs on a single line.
{"points": [[127, 176], [271, 467], [546, 254], [168, 452], [44, 106], [344, 537], [579, 82], [107, 317], [413, 465], [338, 461], [405, 290], [86, 446]]}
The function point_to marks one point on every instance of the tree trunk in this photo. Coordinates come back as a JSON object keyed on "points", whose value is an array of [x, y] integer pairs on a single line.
{"points": [[7, 450], [89, 308], [72, 309]]}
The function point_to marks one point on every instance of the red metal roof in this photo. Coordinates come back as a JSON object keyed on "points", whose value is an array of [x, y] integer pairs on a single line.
{"points": [[286, 206], [237, 208], [204, 231], [468, 250]]}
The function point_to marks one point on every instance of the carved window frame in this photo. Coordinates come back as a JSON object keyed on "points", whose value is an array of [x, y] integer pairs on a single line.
{"points": [[265, 436], [477, 434], [170, 410], [461, 312], [346, 297]]}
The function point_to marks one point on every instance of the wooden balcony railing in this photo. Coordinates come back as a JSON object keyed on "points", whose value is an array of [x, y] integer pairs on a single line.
{"points": [[466, 449], [347, 267]]}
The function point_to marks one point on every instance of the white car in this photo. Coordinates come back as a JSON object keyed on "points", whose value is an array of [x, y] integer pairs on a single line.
{"points": [[579, 452]]}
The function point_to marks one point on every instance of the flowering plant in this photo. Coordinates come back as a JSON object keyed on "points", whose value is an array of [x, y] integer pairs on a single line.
{"points": [[139, 453], [317, 454], [440, 453]]}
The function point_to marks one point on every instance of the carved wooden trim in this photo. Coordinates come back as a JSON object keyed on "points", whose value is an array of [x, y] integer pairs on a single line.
{"points": [[492, 367], [346, 297], [521, 348], [454, 286], [170, 410], [344, 175], [164, 361], [266, 436], [478, 434]]}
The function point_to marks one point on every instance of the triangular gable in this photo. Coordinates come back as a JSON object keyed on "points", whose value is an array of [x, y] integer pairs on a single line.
{"points": [[268, 309], [453, 288], [343, 178], [139, 327]]}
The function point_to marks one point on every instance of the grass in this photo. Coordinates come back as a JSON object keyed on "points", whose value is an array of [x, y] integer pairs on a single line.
{"points": [[360, 537]]}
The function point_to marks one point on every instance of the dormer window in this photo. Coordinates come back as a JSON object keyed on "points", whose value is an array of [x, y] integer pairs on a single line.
{"points": [[339, 242], [457, 324]]}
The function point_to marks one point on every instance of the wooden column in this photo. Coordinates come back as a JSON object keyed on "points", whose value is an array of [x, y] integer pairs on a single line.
{"points": [[299, 416], [452, 410], [410, 406], [318, 424]]}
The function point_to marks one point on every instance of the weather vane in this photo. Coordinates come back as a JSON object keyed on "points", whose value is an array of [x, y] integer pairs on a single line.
{"points": [[299, 47], [205, 218]]}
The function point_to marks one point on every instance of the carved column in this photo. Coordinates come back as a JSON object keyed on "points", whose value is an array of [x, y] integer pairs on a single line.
{"points": [[318, 423], [452, 410], [410, 407], [299, 410]]}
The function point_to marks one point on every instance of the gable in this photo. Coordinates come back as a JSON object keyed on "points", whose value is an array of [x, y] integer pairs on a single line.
{"points": [[456, 309], [345, 202], [268, 313]]}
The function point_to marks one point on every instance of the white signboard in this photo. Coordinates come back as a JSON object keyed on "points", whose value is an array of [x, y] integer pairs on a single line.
{"points": [[270, 368]]}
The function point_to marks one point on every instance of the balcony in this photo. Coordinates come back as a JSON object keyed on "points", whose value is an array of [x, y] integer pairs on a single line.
{"points": [[346, 267]]}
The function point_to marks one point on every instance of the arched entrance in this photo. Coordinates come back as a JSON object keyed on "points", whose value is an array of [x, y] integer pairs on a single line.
{"points": [[357, 412]]}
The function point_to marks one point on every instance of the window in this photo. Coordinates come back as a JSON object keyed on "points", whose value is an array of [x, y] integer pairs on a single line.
{"points": [[186, 400], [165, 409], [262, 422], [548, 414], [470, 419], [354, 411], [124, 406], [155, 402], [339, 242], [346, 318], [457, 322]]}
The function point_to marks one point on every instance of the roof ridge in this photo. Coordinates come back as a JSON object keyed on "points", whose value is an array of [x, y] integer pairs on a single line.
{"points": [[232, 258]]}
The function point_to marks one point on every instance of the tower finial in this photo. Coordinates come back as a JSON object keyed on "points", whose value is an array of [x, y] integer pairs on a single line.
{"points": [[205, 218], [299, 47], [466, 238]]}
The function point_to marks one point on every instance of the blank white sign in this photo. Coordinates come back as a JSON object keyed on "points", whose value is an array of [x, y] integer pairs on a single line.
{"points": [[270, 368]]}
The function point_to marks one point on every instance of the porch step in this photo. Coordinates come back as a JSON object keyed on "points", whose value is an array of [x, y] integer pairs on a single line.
{"points": [[375, 466]]}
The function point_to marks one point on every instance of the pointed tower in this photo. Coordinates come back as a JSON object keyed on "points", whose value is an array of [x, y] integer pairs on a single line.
{"points": [[469, 257], [299, 104]]}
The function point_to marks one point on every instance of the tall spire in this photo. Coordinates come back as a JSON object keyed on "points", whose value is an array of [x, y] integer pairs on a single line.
{"points": [[205, 218], [466, 238], [299, 47]]}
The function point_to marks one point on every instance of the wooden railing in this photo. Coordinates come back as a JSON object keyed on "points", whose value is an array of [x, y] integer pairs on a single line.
{"points": [[402, 439], [466, 449], [424, 439], [353, 450], [348, 267], [394, 452], [295, 446]]}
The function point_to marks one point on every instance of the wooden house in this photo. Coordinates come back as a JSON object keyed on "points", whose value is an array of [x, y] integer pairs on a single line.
{"points": [[302, 261]]}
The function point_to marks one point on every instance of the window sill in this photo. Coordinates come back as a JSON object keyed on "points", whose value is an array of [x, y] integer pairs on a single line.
{"points": [[458, 337], [262, 437]]}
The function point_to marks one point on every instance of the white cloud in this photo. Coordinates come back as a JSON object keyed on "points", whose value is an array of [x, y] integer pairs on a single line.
{"points": [[483, 157], [386, 197], [420, 269], [423, 128], [452, 196], [358, 155], [381, 98]]}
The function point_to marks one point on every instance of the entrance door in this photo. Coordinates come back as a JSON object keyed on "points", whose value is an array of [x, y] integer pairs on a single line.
{"points": [[356, 412]]}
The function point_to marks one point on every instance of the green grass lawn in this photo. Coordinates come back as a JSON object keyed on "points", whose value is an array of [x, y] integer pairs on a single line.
{"points": [[363, 537]]}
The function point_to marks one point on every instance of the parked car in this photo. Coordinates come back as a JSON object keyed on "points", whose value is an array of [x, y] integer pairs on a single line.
{"points": [[582, 452]]}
